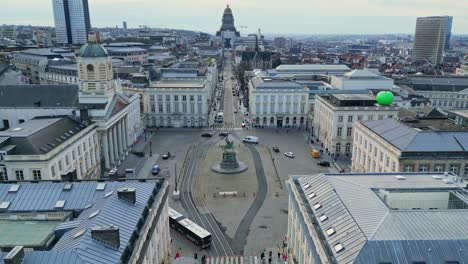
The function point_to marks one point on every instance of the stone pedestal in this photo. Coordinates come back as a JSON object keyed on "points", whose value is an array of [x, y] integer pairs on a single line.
{"points": [[229, 164]]}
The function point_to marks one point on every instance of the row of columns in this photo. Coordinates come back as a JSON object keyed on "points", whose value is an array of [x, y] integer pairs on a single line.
{"points": [[115, 143]]}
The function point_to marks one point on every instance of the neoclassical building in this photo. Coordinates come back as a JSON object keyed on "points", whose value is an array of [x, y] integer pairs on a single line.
{"points": [[102, 101]]}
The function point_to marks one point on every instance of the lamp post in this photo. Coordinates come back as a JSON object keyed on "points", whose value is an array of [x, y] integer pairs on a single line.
{"points": [[151, 150]]}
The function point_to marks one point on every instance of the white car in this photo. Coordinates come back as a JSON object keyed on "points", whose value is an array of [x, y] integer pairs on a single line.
{"points": [[289, 154]]}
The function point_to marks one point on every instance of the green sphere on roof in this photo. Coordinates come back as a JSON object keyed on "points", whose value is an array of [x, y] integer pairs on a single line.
{"points": [[384, 98]]}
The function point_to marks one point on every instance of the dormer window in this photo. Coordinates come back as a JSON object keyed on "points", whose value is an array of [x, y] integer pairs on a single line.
{"points": [[90, 67]]}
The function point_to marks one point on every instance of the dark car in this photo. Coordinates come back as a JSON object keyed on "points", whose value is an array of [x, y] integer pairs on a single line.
{"points": [[324, 164], [223, 134], [206, 135], [166, 155], [275, 149]]}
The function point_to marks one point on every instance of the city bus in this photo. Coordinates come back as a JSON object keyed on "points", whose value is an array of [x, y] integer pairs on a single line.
{"points": [[189, 229]]}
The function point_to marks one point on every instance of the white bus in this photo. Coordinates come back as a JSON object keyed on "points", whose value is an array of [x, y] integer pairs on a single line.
{"points": [[189, 229]]}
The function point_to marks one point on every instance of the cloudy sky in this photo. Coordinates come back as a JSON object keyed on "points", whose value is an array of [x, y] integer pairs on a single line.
{"points": [[272, 16]]}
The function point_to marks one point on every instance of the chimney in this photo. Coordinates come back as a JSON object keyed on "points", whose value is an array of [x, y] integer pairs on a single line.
{"points": [[127, 194], [108, 235], [15, 256]]}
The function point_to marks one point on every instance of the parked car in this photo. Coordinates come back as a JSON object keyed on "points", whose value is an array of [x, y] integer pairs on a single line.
{"points": [[324, 164], [250, 139], [206, 135], [166, 155], [243, 124], [130, 173], [289, 154], [223, 134], [275, 149], [156, 169]]}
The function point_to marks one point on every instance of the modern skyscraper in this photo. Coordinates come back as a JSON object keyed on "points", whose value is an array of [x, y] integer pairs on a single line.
{"points": [[431, 38], [72, 22], [124, 24]]}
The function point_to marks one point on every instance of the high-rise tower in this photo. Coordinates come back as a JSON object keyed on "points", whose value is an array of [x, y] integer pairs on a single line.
{"points": [[72, 22], [431, 38]]}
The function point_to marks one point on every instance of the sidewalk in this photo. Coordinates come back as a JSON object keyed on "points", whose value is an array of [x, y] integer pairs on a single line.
{"points": [[133, 161], [341, 162]]}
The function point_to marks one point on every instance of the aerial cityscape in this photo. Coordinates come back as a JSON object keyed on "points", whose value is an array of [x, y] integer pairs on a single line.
{"points": [[216, 133]]}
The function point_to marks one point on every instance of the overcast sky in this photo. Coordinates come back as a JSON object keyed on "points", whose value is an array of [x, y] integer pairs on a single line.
{"points": [[272, 16]]}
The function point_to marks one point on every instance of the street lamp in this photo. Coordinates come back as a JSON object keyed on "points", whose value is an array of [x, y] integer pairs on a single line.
{"points": [[151, 150]]}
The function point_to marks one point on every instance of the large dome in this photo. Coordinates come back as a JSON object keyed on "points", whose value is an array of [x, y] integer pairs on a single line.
{"points": [[93, 50]]}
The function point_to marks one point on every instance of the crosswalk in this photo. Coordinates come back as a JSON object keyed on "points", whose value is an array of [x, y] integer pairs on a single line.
{"points": [[229, 260]]}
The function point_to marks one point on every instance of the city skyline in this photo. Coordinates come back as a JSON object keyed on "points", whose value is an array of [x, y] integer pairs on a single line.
{"points": [[301, 18]]}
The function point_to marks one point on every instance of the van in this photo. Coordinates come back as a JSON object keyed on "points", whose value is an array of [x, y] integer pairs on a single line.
{"points": [[250, 139], [315, 153], [129, 173]]}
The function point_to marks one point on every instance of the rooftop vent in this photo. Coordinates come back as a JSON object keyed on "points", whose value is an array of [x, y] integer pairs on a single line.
{"points": [[94, 214], [330, 231], [100, 186], [60, 204], [338, 248], [323, 218], [16, 129], [4, 205], [108, 194], [311, 195], [307, 186], [436, 177], [88, 206], [79, 233], [15, 256], [127, 194], [317, 206], [14, 188], [67, 186], [399, 177], [108, 235]]}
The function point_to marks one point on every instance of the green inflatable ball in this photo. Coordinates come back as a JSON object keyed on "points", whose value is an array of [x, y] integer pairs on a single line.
{"points": [[384, 98]]}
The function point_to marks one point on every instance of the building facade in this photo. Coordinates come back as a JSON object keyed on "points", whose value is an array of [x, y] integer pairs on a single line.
{"points": [[72, 21], [278, 103], [228, 33], [392, 146], [431, 38], [376, 218], [335, 114], [50, 149]]}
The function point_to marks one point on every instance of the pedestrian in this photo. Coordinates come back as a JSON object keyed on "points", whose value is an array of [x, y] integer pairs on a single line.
{"points": [[262, 256], [269, 260], [270, 254], [279, 255], [195, 256]]}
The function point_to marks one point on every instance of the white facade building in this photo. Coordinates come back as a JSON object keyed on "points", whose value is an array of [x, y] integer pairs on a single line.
{"points": [[72, 22], [360, 80], [335, 114], [48, 149], [279, 103]]}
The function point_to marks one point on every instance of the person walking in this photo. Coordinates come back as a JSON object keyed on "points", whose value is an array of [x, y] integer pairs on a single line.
{"points": [[279, 255]]}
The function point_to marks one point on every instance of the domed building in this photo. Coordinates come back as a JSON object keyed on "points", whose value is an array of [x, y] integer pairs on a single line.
{"points": [[102, 101], [228, 32]]}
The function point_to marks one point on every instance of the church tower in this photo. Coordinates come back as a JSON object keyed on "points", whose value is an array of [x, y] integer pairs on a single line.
{"points": [[95, 75]]}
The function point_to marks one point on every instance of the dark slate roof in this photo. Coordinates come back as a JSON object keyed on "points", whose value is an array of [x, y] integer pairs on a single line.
{"points": [[410, 139], [84, 198], [47, 96], [41, 135], [370, 232]]}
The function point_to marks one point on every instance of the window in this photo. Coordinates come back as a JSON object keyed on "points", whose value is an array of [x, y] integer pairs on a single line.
{"points": [[339, 132], [454, 168], [349, 131], [67, 160], [168, 108], [302, 108], [184, 98], [272, 98], [371, 117], [36, 175], [423, 167], [19, 175], [176, 98], [393, 166], [60, 165], [159, 97], [408, 168], [153, 108], [160, 108], [439, 167], [52, 171], [381, 156], [192, 108], [338, 148], [176, 108], [152, 97], [192, 98], [272, 108], [359, 117], [390, 116], [184, 108], [387, 162], [199, 108], [340, 119], [73, 155], [466, 170], [288, 98], [199, 98], [168, 97], [381, 117], [350, 118], [348, 147]]}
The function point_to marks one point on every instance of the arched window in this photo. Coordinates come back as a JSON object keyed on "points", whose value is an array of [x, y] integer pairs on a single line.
{"points": [[257, 120], [90, 68], [287, 120], [302, 120], [338, 147], [348, 147], [264, 120], [272, 121], [294, 120]]}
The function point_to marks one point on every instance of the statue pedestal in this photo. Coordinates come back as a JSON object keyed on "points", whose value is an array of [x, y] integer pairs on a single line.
{"points": [[229, 164]]}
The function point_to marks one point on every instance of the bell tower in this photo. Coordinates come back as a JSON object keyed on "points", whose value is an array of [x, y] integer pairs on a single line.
{"points": [[95, 75]]}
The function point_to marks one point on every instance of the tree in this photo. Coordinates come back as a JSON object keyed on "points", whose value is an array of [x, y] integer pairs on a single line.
{"points": [[241, 69]]}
